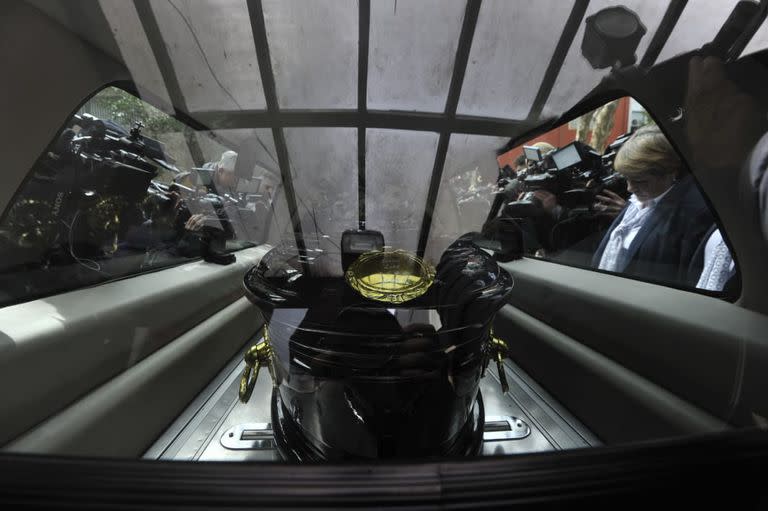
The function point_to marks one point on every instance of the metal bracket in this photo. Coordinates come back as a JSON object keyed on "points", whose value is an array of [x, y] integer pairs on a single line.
{"points": [[504, 427], [499, 351], [259, 435], [253, 436]]}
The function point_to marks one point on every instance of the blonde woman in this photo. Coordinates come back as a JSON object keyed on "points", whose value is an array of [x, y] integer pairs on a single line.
{"points": [[657, 233]]}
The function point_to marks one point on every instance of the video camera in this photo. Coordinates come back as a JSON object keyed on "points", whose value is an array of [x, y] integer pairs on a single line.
{"points": [[173, 204], [85, 192], [107, 160], [248, 205], [575, 174], [537, 161]]}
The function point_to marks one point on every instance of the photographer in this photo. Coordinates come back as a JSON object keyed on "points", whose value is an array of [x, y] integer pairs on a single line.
{"points": [[520, 163], [212, 207], [537, 229], [169, 230], [224, 181], [609, 203], [658, 231], [181, 218], [719, 268], [545, 148]]}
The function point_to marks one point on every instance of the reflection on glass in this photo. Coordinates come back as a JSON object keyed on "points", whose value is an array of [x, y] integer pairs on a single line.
{"points": [[398, 167], [313, 51], [119, 192], [467, 189], [360, 376], [324, 167], [135, 49], [577, 77], [699, 21], [213, 52], [614, 195], [409, 67], [509, 56]]}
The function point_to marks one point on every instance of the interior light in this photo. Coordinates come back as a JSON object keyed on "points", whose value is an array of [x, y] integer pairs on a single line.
{"points": [[611, 37]]}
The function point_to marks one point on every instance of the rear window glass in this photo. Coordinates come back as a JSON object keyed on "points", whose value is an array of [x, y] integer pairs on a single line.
{"points": [[124, 189], [608, 191]]}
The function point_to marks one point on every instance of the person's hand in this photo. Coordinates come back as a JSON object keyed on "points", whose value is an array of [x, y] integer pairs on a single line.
{"points": [[176, 198], [722, 122], [548, 200], [195, 222], [609, 203]]}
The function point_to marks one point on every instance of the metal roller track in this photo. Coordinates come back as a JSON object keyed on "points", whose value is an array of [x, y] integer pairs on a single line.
{"points": [[217, 427]]}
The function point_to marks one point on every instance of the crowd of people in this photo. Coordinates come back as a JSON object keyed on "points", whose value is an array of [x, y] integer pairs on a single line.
{"points": [[185, 215], [661, 229]]}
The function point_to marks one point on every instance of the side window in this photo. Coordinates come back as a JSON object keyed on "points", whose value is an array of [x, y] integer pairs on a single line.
{"points": [[125, 189], [608, 191]]}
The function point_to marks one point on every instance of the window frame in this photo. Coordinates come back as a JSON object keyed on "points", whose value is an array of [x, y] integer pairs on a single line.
{"points": [[592, 102], [128, 87]]}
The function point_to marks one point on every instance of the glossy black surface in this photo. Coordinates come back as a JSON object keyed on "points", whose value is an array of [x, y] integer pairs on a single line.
{"points": [[361, 379]]}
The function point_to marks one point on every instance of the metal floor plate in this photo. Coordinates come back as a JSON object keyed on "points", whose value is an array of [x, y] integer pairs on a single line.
{"points": [[218, 427]]}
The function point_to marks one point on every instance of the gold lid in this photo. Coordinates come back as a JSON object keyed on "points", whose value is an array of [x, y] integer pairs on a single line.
{"points": [[390, 276]]}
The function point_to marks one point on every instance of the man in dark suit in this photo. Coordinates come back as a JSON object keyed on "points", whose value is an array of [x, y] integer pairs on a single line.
{"points": [[656, 235]]}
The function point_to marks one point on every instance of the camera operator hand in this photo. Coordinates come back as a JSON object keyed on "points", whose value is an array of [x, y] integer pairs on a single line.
{"points": [[609, 203], [195, 222], [548, 200]]}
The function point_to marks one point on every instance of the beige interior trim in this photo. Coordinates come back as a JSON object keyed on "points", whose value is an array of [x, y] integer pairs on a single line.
{"points": [[703, 349], [639, 390], [56, 349], [123, 416]]}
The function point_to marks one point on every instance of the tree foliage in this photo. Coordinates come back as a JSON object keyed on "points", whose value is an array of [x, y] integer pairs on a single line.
{"points": [[126, 109], [593, 128]]}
